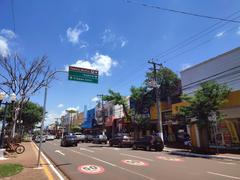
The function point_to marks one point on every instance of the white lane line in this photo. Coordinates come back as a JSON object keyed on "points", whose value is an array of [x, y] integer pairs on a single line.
{"points": [[57, 151], [116, 149], [50, 164], [123, 154], [113, 165], [227, 163], [84, 149], [97, 149], [223, 175]]}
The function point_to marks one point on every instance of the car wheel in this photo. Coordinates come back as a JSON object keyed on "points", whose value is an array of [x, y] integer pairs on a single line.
{"points": [[120, 145], [134, 147], [148, 148], [110, 144]]}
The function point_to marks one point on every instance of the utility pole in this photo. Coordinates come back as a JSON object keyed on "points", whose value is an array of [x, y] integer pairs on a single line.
{"points": [[156, 88], [103, 120]]}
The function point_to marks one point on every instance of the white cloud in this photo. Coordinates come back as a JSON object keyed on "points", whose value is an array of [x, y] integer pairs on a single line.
{"points": [[95, 99], [108, 37], [60, 105], [51, 118], [73, 34], [8, 33], [185, 66], [100, 62], [220, 34], [4, 48]]}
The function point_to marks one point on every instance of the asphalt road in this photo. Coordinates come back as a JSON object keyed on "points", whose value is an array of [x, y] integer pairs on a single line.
{"points": [[90, 161]]}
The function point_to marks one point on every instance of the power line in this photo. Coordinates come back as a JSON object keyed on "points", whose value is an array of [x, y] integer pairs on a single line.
{"points": [[13, 16], [180, 12], [195, 37]]}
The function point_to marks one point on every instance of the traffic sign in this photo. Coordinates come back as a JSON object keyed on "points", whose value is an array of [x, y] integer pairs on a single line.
{"points": [[135, 162], [82, 74], [91, 169]]}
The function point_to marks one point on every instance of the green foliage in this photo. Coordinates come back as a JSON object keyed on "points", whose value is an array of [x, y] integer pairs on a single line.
{"points": [[75, 129], [141, 98], [117, 99], [8, 169], [205, 102], [31, 115], [168, 81]]}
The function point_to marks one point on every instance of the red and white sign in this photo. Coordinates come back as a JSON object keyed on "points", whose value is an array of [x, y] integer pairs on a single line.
{"points": [[135, 162], [169, 159], [91, 169]]}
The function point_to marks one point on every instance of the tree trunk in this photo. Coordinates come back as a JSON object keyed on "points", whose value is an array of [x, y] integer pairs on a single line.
{"points": [[204, 139]]}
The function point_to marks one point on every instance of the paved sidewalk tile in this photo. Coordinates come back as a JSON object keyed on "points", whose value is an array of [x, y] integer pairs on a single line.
{"points": [[28, 159]]}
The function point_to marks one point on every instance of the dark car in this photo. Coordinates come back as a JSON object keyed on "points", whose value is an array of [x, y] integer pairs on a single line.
{"points": [[99, 139], [121, 140], [69, 140], [148, 143], [88, 138]]}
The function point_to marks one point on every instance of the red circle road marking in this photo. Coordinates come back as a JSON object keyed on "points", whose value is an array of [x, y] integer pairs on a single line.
{"points": [[135, 162], [169, 159], [91, 169]]}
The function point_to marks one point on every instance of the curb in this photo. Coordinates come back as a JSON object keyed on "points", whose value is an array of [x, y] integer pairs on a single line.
{"points": [[43, 153], [202, 155]]}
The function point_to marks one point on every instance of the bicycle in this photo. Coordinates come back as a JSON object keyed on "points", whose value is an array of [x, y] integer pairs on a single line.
{"points": [[14, 147]]}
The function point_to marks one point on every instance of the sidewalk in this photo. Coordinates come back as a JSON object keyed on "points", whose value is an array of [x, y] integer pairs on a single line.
{"points": [[29, 160], [185, 152]]}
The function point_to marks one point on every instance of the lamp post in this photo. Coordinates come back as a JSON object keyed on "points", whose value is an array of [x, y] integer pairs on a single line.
{"points": [[6, 103]]}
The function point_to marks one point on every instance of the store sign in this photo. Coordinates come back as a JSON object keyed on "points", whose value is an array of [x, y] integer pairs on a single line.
{"points": [[82, 74]]}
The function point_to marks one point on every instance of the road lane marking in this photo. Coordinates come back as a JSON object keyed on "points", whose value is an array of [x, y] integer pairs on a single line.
{"points": [[116, 149], [84, 149], [50, 164], [227, 163], [223, 175], [97, 149], [57, 151], [113, 165], [135, 162], [91, 169], [123, 154]]}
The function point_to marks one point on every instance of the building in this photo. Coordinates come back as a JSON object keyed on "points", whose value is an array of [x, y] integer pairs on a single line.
{"points": [[223, 69]]}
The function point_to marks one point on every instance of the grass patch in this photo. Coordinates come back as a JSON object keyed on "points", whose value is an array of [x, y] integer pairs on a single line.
{"points": [[7, 170]]}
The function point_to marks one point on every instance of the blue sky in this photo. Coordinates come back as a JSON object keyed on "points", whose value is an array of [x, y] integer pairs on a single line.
{"points": [[113, 36]]}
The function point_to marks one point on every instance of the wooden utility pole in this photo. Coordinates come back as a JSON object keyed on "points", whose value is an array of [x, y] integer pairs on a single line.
{"points": [[158, 101]]}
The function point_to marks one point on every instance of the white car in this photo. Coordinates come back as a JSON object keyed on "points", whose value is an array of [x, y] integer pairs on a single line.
{"points": [[37, 139], [80, 137], [50, 137]]}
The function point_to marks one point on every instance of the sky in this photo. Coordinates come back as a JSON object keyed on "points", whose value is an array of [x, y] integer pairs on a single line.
{"points": [[115, 37]]}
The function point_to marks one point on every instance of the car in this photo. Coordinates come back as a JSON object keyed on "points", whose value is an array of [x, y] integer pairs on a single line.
{"points": [[148, 143], [121, 140], [69, 140], [50, 137], [38, 138], [99, 139], [88, 138], [81, 137]]}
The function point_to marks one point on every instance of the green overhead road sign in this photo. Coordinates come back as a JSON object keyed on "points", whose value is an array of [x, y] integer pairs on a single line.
{"points": [[82, 74]]}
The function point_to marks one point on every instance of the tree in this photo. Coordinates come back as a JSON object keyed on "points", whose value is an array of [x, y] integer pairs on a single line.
{"points": [[23, 78], [31, 115], [168, 81], [117, 99], [204, 104]]}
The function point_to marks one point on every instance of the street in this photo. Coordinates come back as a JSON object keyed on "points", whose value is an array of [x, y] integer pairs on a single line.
{"points": [[94, 161]]}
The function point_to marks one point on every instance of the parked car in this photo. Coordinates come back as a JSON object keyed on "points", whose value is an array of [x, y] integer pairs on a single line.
{"points": [[148, 143], [88, 138], [50, 137], [38, 138], [121, 140], [81, 137], [99, 139], [69, 140]]}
